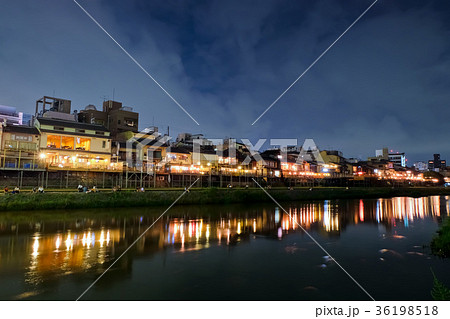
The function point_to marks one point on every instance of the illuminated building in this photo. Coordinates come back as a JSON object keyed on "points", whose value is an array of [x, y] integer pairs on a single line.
{"points": [[436, 164], [75, 146], [19, 146], [398, 159]]}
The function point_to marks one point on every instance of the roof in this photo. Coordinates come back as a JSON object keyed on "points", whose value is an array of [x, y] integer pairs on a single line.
{"points": [[268, 157], [206, 149], [21, 129], [182, 150], [73, 124]]}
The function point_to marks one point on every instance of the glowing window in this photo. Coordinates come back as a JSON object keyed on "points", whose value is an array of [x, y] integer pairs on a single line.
{"points": [[83, 144], [54, 141], [67, 142]]}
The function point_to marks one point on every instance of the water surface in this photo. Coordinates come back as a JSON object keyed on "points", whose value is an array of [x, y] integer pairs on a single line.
{"points": [[235, 252]]}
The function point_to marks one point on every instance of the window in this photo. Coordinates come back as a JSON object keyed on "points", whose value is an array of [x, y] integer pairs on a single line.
{"points": [[27, 146], [104, 144], [59, 128], [10, 144], [53, 141], [83, 144], [129, 122], [67, 142]]}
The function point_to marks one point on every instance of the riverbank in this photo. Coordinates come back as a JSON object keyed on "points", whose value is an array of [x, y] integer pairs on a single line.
{"points": [[440, 245], [75, 200]]}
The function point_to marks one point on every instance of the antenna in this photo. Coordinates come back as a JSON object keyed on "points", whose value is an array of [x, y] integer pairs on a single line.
{"points": [[114, 91]]}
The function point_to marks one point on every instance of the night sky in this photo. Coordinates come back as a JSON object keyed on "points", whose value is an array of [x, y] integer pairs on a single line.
{"points": [[385, 83]]}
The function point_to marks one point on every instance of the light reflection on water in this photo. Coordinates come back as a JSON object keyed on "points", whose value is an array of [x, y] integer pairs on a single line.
{"points": [[61, 251]]}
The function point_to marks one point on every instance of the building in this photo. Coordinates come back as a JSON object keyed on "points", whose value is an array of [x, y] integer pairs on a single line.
{"points": [[188, 139], [91, 115], [399, 159], [333, 162], [421, 166], [71, 145], [117, 118], [10, 116], [436, 164], [19, 145], [381, 154], [120, 118]]}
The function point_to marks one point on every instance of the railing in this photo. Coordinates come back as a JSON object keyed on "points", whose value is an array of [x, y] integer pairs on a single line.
{"points": [[87, 166]]}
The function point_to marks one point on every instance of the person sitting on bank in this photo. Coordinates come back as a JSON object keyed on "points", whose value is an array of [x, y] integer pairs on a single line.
{"points": [[41, 189], [6, 190], [16, 190], [34, 190], [80, 188]]}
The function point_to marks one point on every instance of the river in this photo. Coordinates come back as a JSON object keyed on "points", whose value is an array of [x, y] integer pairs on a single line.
{"points": [[226, 252]]}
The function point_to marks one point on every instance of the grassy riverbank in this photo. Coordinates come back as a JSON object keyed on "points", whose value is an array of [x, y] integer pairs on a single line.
{"points": [[74, 200], [440, 244]]}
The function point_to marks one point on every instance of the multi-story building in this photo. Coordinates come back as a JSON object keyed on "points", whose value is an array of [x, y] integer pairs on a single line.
{"points": [[436, 164], [91, 115], [19, 145], [117, 118], [398, 159], [381, 154], [190, 139], [120, 118], [10, 116], [75, 146]]}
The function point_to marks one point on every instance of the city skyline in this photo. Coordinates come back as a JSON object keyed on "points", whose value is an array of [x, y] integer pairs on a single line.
{"points": [[226, 63]]}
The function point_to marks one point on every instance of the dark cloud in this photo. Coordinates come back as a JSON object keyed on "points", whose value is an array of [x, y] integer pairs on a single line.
{"points": [[385, 83]]}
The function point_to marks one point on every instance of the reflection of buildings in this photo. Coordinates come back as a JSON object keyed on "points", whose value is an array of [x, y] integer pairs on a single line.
{"points": [[69, 252], [92, 243]]}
